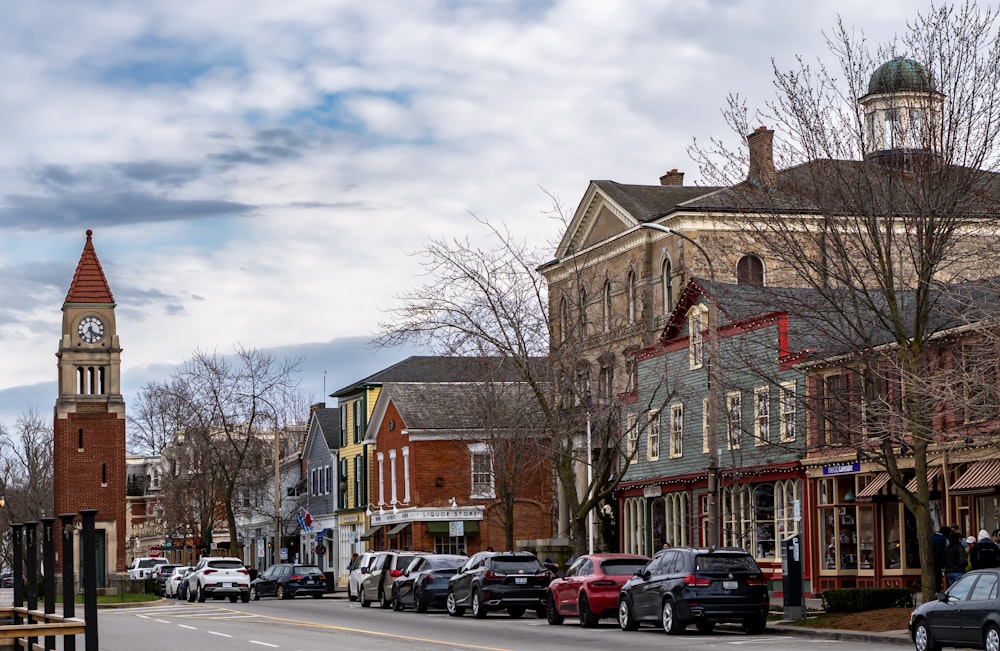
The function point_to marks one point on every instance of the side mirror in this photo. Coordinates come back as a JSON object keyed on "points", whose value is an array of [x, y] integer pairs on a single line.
{"points": [[942, 596], [364, 570]]}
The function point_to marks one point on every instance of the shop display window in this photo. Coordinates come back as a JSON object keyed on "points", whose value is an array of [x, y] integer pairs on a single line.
{"points": [[846, 528]]}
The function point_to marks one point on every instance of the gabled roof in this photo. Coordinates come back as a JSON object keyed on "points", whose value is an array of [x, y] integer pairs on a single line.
{"points": [[324, 422], [420, 368], [89, 284]]}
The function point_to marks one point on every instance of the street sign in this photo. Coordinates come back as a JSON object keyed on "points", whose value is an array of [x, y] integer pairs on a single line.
{"points": [[284, 553], [320, 549], [154, 551], [456, 528]]}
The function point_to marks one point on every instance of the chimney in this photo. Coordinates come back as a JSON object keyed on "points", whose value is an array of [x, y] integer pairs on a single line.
{"points": [[673, 178], [762, 173]]}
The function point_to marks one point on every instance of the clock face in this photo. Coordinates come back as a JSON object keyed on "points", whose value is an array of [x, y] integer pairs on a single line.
{"points": [[91, 329]]}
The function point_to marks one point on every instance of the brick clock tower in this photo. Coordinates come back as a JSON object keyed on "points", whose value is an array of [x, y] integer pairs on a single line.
{"points": [[89, 426]]}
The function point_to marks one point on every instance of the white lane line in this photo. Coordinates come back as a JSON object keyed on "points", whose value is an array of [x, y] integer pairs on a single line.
{"points": [[190, 628], [219, 634], [162, 621], [273, 646]]}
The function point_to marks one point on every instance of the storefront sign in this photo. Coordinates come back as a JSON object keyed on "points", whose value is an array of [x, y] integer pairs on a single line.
{"points": [[652, 491], [842, 468], [427, 515], [350, 519]]}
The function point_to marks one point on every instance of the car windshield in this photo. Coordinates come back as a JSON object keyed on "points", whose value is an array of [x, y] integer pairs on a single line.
{"points": [[226, 565], [306, 569], [725, 563], [511, 564], [149, 562], [446, 562], [622, 566], [404, 561]]}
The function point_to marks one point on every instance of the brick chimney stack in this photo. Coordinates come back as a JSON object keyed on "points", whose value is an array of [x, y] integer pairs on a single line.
{"points": [[762, 172], [673, 178]]}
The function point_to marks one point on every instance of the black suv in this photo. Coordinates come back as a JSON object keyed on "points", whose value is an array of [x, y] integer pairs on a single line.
{"points": [[494, 580], [682, 586]]}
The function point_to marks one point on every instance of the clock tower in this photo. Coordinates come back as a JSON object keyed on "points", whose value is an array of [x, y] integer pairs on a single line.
{"points": [[89, 426]]}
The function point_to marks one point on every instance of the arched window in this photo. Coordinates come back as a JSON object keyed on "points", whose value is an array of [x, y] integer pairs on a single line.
{"points": [[750, 271], [583, 311], [633, 312], [668, 289], [606, 306]]}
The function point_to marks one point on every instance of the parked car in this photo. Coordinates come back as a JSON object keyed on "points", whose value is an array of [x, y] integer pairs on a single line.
{"points": [[515, 581], [181, 592], [376, 583], [219, 578], [170, 586], [589, 590], [161, 573], [424, 583], [7, 580], [683, 585], [358, 568], [966, 615], [142, 567], [286, 580]]}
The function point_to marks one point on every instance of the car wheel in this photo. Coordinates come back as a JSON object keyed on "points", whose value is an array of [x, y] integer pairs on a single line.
{"points": [[552, 615], [317, 595], [419, 604], [452, 606], [233, 598], [924, 640], [384, 602], [516, 612], [279, 592], [350, 593], [755, 625], [397, 605], [190, 595], [254, 594], [478, 608], [365, 603], [705, 627], [200, 595], [625, 619], [668, 617], [587, 617], [991, 640]]}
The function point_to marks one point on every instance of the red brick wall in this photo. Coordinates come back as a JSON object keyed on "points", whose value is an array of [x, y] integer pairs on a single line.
{"points": [[77, 474]]}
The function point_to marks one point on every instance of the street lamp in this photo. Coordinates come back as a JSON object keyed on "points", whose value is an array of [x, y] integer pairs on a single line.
{"points": [[712, 528]]}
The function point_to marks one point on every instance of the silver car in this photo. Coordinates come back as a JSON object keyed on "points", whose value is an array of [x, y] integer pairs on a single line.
{"points": [[358, 570]]}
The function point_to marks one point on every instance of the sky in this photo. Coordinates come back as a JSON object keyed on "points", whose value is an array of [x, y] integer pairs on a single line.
{"points": [[263, 173]]}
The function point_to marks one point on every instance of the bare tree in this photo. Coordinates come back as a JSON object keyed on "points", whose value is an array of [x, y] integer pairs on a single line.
{"points": [[889, 191], [25, 474], [225, 411]]}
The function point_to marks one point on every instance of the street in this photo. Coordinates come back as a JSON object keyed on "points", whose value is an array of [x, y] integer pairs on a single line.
{"points": [[307, 624]]}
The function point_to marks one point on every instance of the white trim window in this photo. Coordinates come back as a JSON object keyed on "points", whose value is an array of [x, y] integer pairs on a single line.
{"points": [[762, 416], [406, 474], [380, 480], [676, 430], [696, 339], [631, 434], [653, 435], [787, 415], [734, 420], [704, 426], [481, 466], [392, 478]]}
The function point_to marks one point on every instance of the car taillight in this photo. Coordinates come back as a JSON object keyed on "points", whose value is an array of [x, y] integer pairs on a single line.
{"points": [[427, 578], [243, 570], [693, 581], [604, 583], [296, 577], [759, 581], [209, 571], [395, 573], [490, 574]]}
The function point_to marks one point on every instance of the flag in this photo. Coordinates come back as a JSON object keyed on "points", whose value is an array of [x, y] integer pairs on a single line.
{"points": [[305, 520]]}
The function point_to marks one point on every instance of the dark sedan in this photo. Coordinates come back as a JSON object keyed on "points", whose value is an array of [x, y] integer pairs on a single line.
{"points": [[967, 615], [425, 582], [287, 580]]}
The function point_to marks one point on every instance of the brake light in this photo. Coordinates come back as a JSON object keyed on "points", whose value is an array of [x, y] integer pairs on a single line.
{"points": [[395, 573], [758, 581], [296, 577], [209, 571], [604, 583], [243, 570], [490, 574], [693, 581]]}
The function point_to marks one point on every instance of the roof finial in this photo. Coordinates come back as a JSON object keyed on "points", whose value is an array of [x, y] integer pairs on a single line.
{"points": [[89, 233]]}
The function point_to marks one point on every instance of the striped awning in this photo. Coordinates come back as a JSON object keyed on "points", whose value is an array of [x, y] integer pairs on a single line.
{"points": [[979, 477], [874, 486], [932, 473]]}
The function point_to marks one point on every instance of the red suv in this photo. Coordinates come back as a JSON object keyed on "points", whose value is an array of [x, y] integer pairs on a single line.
{"points": [[589, 589]]}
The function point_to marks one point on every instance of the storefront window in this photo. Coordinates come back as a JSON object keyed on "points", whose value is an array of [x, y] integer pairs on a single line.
{"points": [[657, 514], [763, 514], [899, 533], [866, 535], [988, 510], [757, 517]]}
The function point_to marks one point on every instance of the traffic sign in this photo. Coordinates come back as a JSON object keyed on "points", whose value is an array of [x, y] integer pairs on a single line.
{"points": [[320, 549], [154, 551]]}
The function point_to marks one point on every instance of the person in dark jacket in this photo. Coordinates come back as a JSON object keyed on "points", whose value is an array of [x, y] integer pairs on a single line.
{"points": [[986, 552], [954, 564], [939, 542]]}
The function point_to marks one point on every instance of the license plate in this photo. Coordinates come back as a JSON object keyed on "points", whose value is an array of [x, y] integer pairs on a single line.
{"points": [[521, 580], [227, 585], [730, 585]]}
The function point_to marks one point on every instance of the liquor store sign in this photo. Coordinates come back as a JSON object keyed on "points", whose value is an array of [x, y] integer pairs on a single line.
{"points": [[427, 515]]}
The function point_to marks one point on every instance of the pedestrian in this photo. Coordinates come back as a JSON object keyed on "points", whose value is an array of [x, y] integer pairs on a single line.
{"points": [[939, 541], [970, 544], [955, 559], [986, 552], [666, 545]]}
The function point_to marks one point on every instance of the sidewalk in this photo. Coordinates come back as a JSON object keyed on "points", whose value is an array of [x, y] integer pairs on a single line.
{"points": [[815, 605]]}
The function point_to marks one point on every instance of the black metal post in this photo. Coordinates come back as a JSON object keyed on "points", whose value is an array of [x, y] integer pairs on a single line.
{"points": [[49, 574], [69, 585], [88, 551], [31, 572], [17, 537]]}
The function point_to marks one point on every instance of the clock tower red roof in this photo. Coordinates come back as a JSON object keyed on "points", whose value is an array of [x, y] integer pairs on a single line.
{"points": [[89, 284]]}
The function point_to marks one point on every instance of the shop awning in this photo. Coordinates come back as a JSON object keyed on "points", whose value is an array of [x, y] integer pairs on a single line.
{"points": [[932, 473], [874, 486], [979, 477], [399, 527], [441, 528], [370, 532]]}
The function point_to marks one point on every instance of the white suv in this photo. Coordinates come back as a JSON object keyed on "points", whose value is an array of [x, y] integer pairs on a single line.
{"points": [[219, 578]]}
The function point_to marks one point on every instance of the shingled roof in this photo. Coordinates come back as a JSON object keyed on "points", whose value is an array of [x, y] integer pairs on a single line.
{"points": [[89, 284], [445, 369], [649, 202], [328, 420], [458, 407]]}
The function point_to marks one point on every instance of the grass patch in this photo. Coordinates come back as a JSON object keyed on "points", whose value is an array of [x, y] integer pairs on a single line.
{"points": [[109, 599]]}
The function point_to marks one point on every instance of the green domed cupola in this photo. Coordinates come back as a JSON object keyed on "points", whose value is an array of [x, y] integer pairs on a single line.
{"points": [[901, 75], [902, 113]]}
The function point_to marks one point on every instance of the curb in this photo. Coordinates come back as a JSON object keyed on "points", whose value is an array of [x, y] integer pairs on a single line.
{"points": [[888, 637]]}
